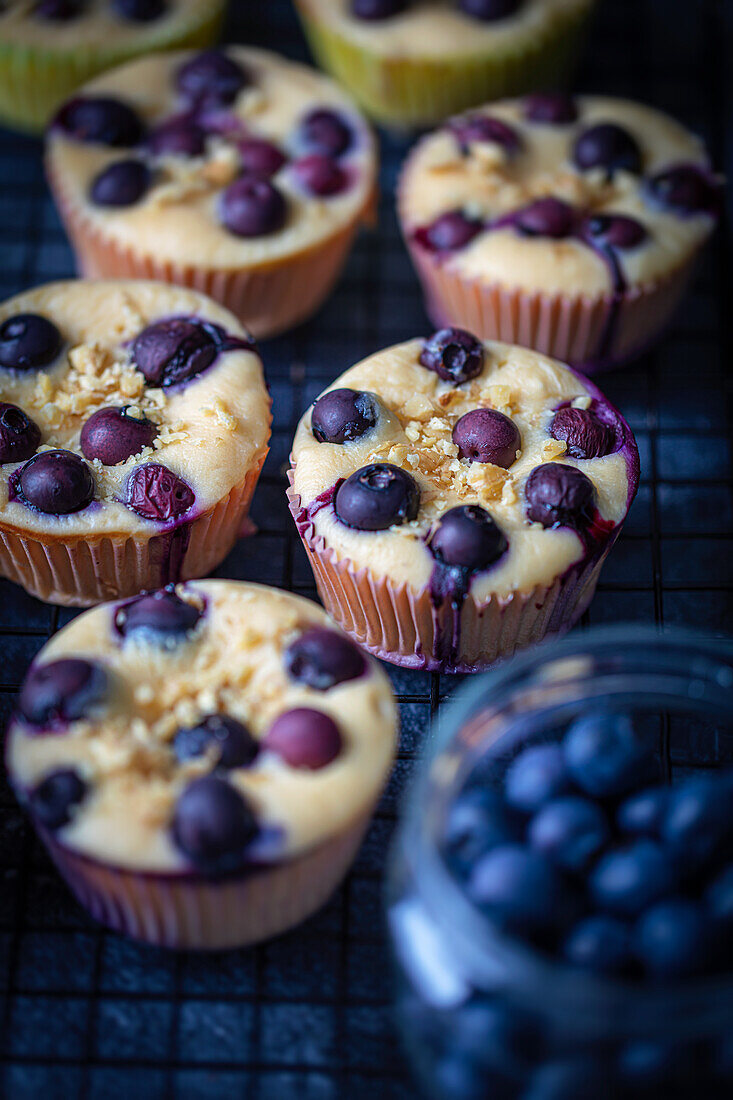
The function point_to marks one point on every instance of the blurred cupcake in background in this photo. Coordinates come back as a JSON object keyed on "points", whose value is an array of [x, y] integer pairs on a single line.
{"points": [[411, 62], [49, 47]]}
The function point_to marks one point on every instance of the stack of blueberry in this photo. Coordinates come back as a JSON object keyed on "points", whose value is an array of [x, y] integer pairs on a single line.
{"points": [[578, 849]]}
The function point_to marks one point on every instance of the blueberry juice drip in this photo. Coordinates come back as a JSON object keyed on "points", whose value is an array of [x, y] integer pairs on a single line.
{"points": [[618, 288], [323, 500], [172, 547], [449, 585]]}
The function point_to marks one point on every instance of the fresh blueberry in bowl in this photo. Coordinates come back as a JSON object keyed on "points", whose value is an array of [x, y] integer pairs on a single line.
{"points": [[213, 825], [487, 435], [455, 355], [252, 207], [56, 482], [600, 943], [54, 800], [520, 889], [211, 80], [537, 775], [698, 819], [376, 497], [605, 757], [476, 821], [100, 120], [551, 108], [62, 691], [343, 415], [156, 493], [321, 659], [560, 496], [607, 146], [113, 435], [672, 939], [122, 184], [449, 231], [173, 351], [583, 431], [627, 880], [324, 131], [178, 137], [19, 435], [643, 812], [161, 616], [28, 341], [571, 831], [304, 738], [232, 743], [467, 538]]}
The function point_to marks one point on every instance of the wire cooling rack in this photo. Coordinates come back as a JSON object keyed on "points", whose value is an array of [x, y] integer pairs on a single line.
{"points": [[88, 1014]]}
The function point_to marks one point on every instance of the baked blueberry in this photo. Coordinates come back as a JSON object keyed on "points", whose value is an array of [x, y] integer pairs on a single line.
{"points": [[601, 943], [211, 80], [608, 146], [614, 231], [376, 497], [260, 157], [489, 10], [342, 415], [450, 231], [304, 738], [56, 482], [467, 538], [643, 812], [56, 797], [19, 435], [519, 889], [155, 492], [476, 822], [58, 11], [320, 175], [571, 831], [553, 108], [62, 691], [672, 939], [28, 341], [377, 9], [252, 207], [698, 820], [604, 756], [140, 11], [455, 355], [101, 120], [179, 137], [233, 744], [487, 435], [171, 352], [321, 659], [537, 775], [584, 433], [213, 825], [686, 189], [560, 496], [324, 131], [476, 127], [162, 616], [124, 183], [112, 435], [627, 880], [548, 217]]}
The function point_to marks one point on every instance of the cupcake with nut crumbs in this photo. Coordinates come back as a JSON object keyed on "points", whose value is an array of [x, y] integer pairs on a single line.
{"points": [[134, 421], [457, 499]]}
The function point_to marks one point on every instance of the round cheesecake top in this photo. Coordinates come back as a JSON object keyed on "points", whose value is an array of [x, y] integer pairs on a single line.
{"points": [[203, 727], [222, 159], [64, 25], [434, 28], [125, 407], [488, 462], [558, 194]]}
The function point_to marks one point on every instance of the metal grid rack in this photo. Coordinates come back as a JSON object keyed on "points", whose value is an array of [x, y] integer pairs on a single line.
{"points": [[86, 1013]]}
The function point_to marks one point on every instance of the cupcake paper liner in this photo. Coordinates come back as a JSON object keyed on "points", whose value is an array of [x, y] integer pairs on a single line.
{"points": [[34, 81], [405, 92], [206, 914], [268, 298], [83, 571], [403, 625]]}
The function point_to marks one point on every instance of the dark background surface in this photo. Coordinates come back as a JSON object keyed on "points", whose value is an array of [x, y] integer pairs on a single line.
{"points": [[86, 1013]]}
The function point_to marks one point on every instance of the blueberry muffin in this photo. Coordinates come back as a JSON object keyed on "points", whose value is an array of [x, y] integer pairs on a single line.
{"points": [[134, 421], [49, 47], [568, 225], [202, 762], [413, 62], [238, 173], [457, 499]]}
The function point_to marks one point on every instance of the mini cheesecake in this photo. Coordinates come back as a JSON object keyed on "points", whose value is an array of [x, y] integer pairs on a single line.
{"points": [[570, 225], [202, 761], [457, 499], [49, 47], [134, 421], [237, 173]]}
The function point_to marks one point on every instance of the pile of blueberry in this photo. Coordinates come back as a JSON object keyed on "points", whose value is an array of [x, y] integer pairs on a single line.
{"points": [[581, 851]]}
